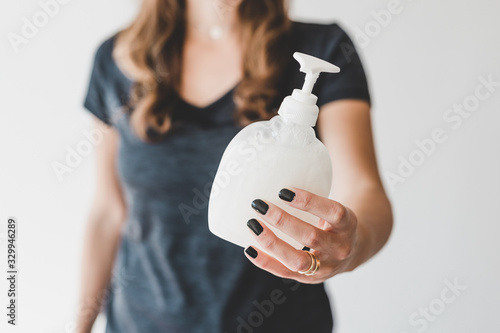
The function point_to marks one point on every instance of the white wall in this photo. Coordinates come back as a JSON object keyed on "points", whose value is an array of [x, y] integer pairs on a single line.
{"points": [[426, 59], [430, 56]]}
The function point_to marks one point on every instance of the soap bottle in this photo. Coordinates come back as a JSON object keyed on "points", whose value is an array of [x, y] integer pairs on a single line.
{"points": [[267, 156]]}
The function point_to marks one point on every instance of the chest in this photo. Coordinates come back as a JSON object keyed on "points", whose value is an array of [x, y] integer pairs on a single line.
{"points": [[187, 158], [209, 71]]}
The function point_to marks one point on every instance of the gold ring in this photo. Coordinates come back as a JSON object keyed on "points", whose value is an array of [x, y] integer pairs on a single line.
{"points": [[316, 268], [314, 265], [313, 262]]}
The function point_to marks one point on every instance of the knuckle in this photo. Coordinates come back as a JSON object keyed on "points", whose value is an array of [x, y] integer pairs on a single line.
{"points": [[339, 213], [344, 252], [279, 219], [306, 201], [267, 243], [302, 264], [264, 264], [313, 239]]}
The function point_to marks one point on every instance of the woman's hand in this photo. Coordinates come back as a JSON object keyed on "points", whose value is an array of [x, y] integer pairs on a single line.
{"points": [[334, 242]]}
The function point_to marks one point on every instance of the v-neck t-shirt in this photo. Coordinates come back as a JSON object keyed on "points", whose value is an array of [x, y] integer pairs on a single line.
{"points": [[170, 273]]}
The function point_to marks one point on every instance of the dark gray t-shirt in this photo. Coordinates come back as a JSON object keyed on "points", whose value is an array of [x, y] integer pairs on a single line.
{"points": [[171, 274]]}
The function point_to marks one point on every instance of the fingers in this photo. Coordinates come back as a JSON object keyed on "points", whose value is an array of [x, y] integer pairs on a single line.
{"points": [[332, 241], [331, 211], [266, 262], [293, 259], [303, 232]]}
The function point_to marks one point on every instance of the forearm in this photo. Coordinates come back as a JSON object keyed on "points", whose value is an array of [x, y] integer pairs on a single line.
{"points": [[374, 216], [101, 242]]}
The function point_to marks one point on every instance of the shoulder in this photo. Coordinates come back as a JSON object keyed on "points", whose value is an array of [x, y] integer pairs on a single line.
{"points": [[316, 35], [103, 57], [326, 41], [108, 89], [106, 72], [316, 28]]}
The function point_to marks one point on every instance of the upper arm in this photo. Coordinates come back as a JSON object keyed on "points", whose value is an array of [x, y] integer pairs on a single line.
{"points": [[344, 127], [109, 203]]}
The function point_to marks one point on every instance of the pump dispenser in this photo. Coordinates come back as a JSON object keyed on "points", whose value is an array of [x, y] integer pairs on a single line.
{"points": [[301, 106], [268, 156]]}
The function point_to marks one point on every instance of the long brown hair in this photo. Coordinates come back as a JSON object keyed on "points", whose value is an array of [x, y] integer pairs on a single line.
{"points": [[150, 52]]}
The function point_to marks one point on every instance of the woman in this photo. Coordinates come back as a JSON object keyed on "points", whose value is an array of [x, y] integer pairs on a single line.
{"points": [[175, 87]]}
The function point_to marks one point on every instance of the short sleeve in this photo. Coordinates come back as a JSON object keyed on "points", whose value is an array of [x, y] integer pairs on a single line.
{"points": [[351, 82], [95, 100]]}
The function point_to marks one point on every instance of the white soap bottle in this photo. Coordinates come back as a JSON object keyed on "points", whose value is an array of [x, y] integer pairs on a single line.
{"points": [[267, 156]]}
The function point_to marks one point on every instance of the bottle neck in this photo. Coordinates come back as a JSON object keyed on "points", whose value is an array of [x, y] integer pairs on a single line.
{"points": [[300, 108]]}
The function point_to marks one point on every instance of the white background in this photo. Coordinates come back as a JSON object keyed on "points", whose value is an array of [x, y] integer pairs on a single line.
{"points": [[420, 62]]}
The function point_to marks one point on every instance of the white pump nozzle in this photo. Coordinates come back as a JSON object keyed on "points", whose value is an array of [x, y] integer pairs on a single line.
{"points": [[301, 106], [313, 67]]}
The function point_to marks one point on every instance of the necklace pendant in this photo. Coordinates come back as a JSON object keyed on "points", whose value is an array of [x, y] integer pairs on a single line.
{"points": [[216, 33]]}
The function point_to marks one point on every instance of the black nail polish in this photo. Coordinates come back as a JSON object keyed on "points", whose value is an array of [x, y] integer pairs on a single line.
{"points": [[255, 226], [260, 206], [251, 252], [287, 195], [306, 248]]}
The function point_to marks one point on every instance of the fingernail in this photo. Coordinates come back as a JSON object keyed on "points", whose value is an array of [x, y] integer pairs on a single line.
{"points": [[306, 248], [251, 252], [260, 206], [287, 195], [255, 226]]}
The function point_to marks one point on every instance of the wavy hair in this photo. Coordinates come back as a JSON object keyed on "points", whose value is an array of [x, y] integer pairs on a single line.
{"points": [[150, 53]]}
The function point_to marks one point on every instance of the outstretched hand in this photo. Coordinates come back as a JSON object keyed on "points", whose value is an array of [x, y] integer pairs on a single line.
{"points": [[333, 242]]}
